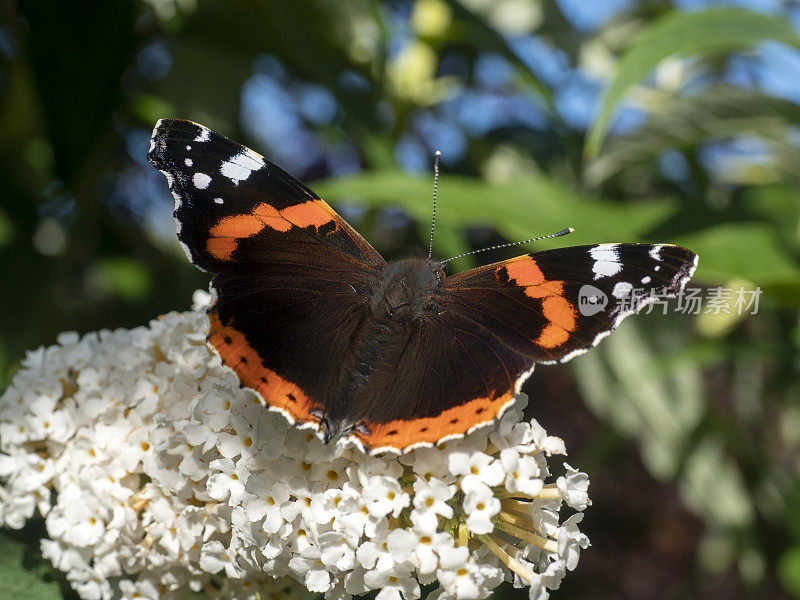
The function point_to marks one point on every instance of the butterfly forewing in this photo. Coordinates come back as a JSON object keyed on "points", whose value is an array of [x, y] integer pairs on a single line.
{"points": [[553, 305], [236, 211]]}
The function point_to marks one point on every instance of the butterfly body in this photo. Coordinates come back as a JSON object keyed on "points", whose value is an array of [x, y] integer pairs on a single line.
{"points": [[392, 355]]}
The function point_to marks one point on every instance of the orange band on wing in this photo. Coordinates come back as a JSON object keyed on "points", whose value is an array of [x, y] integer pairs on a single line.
{"points": [[560, 313], [525, 271], [552, 336], [307, 214], [225, 235], [401, 434], [276, 391]]}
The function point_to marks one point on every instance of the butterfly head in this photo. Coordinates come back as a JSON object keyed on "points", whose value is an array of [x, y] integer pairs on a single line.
{"points": [[405, 291]]}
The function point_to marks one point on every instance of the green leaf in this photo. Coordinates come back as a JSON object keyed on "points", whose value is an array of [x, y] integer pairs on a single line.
{"points": [[21, 581], [741, 251], [6, 229], [683, 122], [124, 277], [779, 205], [713, 30], [789, 571], [627, 383], [532, 206]]}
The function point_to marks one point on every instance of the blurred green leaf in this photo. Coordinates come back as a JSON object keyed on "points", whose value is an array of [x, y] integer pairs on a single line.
{"points": [[683, 122], [627, 383], [18, 580], [789, 571], [149, 108], [713, 30], [6, 229], [713, 486], [779, 205], [126, 278], [660, 404], [741, 251], [535, 205]]}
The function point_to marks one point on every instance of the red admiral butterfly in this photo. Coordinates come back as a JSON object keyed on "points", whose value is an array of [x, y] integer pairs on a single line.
{"points": [[398, 354]]}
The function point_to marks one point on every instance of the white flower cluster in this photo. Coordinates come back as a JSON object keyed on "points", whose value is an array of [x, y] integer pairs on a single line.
{"points": [[160, 478]]}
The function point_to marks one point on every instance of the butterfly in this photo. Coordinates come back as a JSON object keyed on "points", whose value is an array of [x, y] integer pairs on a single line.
{"points": [[394, 355]]}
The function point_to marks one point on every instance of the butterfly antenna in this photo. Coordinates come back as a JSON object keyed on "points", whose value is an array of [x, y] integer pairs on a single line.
{"points": [[435, 185], [566, 231]]}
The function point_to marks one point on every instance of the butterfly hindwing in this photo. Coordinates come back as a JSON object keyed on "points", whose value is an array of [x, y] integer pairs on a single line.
{"points": [[451, 376], [547, 305], [286, 337]]}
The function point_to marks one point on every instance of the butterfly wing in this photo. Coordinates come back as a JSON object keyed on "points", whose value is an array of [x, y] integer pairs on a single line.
{"points": [[290, 271], [556, 304], [451, 376], [236, 212], [463, 367]]}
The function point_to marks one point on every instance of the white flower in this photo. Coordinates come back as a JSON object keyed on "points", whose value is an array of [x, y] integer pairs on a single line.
{"points": [[570, 541], [264, 500], [477, 467], [430, 503], [522, 472], [384, 496], [214, 557], [310, 568], [460, 577], [228, 484], [481, 506], [574, 488], [159, 477]]}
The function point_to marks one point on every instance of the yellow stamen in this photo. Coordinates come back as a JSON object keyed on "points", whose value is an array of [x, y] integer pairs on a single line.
{"points": [[518, 507], [517, 520], [528, 536], [549, 492], [509, 561]]}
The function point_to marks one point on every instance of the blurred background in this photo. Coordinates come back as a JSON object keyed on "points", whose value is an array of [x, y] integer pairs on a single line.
{"points": [[628, 120]]}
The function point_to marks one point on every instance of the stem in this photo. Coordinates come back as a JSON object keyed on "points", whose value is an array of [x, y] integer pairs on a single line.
{"points": [[463, 535], [549, 492], [512, 563], [528, 536], [516, 520]]}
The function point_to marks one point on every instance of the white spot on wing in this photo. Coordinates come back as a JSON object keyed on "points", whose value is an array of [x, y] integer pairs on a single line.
{"points": [[655, 252], [188, 147], [646, 280], [239, 167], [622, 290], [203, 136], [219, 201], [189, 162], [606, 261], [201, 181]]}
